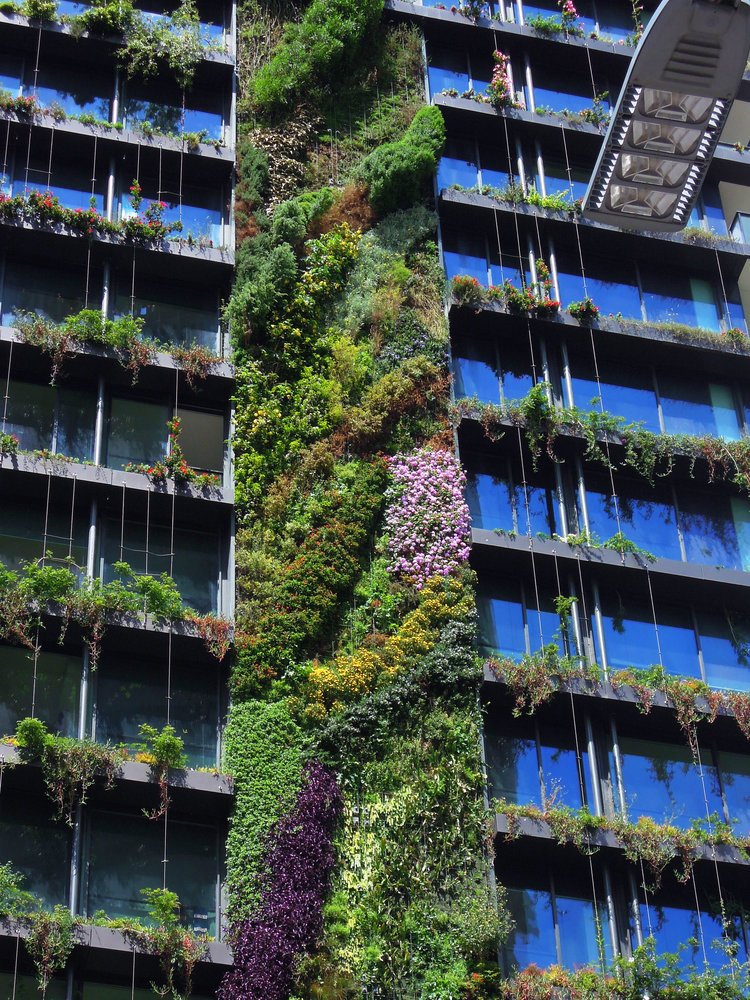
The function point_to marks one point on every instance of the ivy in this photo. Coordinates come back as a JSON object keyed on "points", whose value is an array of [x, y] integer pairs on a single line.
{"points": [[263, 750]]}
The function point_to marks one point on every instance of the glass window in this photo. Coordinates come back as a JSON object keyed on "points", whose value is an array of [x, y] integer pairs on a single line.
{"points": [[11, 68], [202, 439], [716, 529], [495, 166], [611, 284], [516, 378], [513, 627], [13, 987], [725, 647], [490, 499], [625, 392], [204, 113], [557, 180], [58, 419], [560, 925], [663, 782], [22, 534], [512, 765], [631, 640], [70, 183], [52, 697], [52, 292], [475, 370], [496, 501], [735, 780], [501, 621], [195, 568], [696, 407], [458, 164], [561, 91], [678, 298], [130, 694], [198, 208], [36, 847], [614, 19], [465, 255], [172, 314], [647, 515], [137, 432], [76, 92], [678, 929], [448, 70], [125, 856]]}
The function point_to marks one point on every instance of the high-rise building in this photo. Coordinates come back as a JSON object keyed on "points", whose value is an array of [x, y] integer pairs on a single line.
{"points": [[600, 409], [598, 554], [117, 218]]}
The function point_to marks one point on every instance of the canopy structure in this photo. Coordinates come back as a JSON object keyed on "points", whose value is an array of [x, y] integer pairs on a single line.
{"points": [[670, 115]]}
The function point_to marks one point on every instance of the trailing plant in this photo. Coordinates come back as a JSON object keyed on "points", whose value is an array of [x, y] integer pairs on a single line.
{"points": [[69, 766], [49, 942], [164, 752], [178, 949], [196, 361], [500, 90]]}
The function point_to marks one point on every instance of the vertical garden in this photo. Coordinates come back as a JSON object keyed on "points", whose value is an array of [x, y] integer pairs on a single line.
{"points": [[358, 849]]}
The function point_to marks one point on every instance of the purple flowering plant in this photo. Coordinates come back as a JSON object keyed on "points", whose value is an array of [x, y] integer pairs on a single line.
{"points": [[299, 860], [427, 519]]}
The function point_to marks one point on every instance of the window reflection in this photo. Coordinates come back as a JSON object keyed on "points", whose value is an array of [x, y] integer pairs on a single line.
{"points": [[49, 688]]}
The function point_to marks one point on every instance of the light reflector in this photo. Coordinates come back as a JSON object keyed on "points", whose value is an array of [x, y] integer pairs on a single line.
{"points": [[670, 114]]}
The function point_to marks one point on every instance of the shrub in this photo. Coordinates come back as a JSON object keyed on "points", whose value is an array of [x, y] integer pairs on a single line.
{"points": [[396, 172], [315, 51]]}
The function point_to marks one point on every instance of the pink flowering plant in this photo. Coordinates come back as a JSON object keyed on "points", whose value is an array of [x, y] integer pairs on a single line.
{"points": [[568, 14], [500, 90], [427, 519]]}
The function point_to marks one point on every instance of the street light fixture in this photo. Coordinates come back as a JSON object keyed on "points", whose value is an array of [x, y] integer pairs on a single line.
{"points": [[670, 115]]}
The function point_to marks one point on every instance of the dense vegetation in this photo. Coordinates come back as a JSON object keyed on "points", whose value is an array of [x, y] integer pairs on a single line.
{"points": [[354, 680]]}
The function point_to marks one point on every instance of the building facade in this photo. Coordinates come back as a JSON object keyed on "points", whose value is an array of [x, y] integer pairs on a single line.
{"points": [[590, 560], [601, 408], [94, 152]]}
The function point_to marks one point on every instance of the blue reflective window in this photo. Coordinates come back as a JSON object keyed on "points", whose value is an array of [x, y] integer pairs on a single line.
{"points": [[536, 506], [510, 627], [725, 646], [560, 770], [557, 181], [515, 374], [490, 501], [625, 392], [678, 298], [678, 930], [735, 779], [464, 255], [630, 636], [611, 284], [647, 516], [70, 183], [496, 168], [475, 370], [582, 928], [716, 529], [561, 91], [75, 92], [458, 164], [507, 269], [532, 940], [501, 621], [11, 69], [614, 19], [448, 70], [513, 769], [663, 781], [713, 213], [697, 407], [204, 113]]}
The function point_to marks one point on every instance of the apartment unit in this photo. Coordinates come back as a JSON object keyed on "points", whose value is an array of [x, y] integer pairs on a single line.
{"points": [[83, 136], [600, 561]]}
